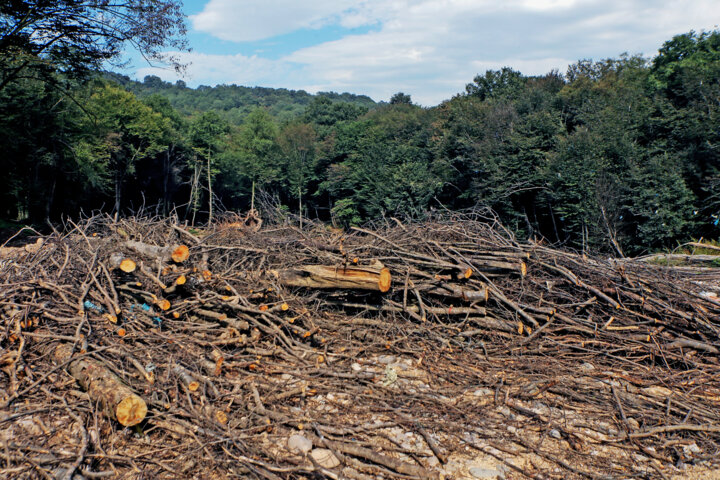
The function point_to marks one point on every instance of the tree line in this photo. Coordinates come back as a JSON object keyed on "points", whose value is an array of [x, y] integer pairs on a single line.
{"points": [[618, 155]]}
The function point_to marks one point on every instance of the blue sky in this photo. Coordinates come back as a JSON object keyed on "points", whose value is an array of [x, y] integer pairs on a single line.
{"points": [[426, 48]]}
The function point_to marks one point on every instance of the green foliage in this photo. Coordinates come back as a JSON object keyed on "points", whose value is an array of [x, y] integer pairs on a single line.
{"points": [[345, 212], [661, 204], [496, 83], [385, 164], [75, 37], [400, 98], [250, 159], [234, 103], [619, 155], [120, 132]]}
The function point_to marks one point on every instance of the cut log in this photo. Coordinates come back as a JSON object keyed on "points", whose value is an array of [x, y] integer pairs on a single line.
{"points": [[119, 402], [186, 378], [479, 294], [176, 253], [180, 254], [321, 276], [118, 260]]}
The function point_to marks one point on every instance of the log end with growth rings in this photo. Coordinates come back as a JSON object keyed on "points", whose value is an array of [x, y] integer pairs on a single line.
{"points": [[180, 254], [128, 265], [385, 280], [131, 411]]}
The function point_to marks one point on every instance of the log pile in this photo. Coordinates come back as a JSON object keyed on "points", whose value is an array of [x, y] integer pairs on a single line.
{"points": [[142, 349]]}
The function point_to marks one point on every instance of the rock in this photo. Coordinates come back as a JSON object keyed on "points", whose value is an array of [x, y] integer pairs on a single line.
{"points": [[490, 473], [555, 434], [656, 391], [483, 392], [691, 449], [505, 411], [386, 359], [299, 444], [325, 458]]}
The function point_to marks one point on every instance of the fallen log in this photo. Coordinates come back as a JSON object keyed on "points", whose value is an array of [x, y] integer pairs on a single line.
{"points": [[118, 260], [176, 253], [321, 276], [118, 400]]}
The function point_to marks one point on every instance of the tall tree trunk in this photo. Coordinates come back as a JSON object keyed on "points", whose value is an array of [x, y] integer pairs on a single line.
{"points": [[300, 204], [210, 192], [49, 198], [555, 227], [118, 193], [194, 196], [252, 197], [166, 181]]}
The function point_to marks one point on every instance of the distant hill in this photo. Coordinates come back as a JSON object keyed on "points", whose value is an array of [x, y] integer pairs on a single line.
{"points": [[233, 102]]}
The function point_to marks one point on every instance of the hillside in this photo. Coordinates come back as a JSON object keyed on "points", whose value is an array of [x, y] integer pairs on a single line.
{"points": [[233, 102]]}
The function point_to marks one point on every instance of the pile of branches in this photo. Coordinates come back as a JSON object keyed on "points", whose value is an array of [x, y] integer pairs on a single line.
{"points": [[141, 348]]}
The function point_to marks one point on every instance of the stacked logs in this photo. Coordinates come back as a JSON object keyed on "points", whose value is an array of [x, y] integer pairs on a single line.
{"points": [[213, 342]]}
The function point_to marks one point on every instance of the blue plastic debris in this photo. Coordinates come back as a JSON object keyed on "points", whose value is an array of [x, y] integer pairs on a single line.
{"points": [[145, 307], [91, 306], [158, 321]]}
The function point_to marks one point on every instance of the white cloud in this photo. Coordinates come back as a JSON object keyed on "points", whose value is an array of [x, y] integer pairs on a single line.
{"points": [[259, 19], [432, 48]]}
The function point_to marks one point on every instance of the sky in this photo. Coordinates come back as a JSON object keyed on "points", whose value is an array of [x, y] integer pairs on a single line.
{"points": [[429, 49]]}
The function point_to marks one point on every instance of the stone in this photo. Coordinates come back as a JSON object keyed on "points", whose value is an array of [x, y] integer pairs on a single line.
{"points": [[483, 392], [488, 473], [386, 359], [555, 434], [299, 444], [325, 458], [691, 449]]}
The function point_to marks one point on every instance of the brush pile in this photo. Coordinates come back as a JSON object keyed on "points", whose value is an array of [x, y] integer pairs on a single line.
{"points": [[446, 349]]}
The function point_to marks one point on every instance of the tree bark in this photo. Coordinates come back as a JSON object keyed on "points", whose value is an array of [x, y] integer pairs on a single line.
{"points": [[119, 402], [320, 276]]}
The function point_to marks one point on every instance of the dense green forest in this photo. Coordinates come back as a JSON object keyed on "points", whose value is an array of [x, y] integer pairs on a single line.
{"points": [[618, 155], [232, 102]]}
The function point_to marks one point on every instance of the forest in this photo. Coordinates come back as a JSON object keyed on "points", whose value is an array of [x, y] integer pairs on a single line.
{"points": [[619, 155]]}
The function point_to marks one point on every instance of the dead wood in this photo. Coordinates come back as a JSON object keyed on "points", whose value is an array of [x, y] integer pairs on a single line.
{"points": [[118, 401], [398, 345], [321, 276]]}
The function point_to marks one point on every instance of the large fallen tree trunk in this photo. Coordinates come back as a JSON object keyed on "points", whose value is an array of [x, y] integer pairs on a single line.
{"points": [[118, 401], [321, 276]]}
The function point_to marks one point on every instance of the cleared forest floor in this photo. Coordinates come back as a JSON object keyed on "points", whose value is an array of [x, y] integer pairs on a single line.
{"points": [[443, 349]]}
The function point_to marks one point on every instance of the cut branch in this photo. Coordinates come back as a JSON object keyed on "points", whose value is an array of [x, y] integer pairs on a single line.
{"points": [[118, 400]]}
